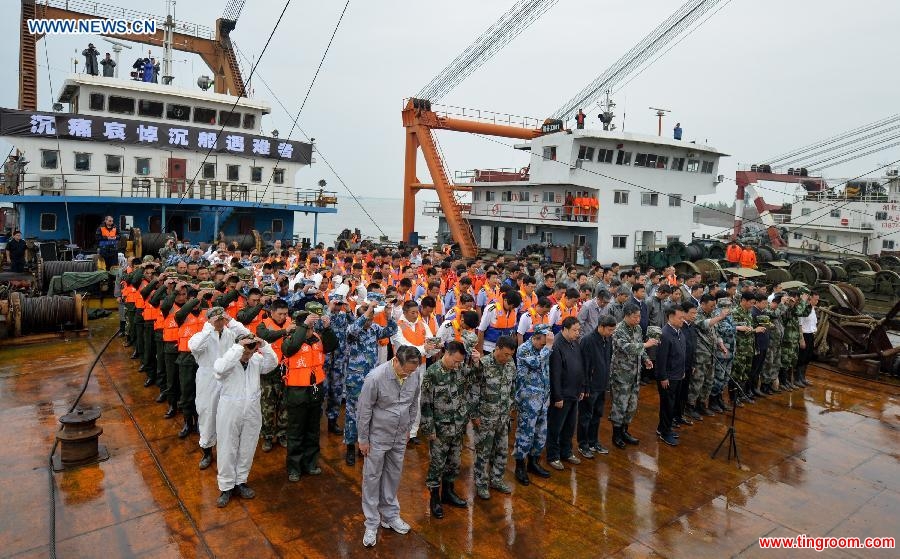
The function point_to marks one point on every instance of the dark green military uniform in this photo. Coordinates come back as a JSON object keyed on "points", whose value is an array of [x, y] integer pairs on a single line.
{"points": [[491, 401], [445, 412]]}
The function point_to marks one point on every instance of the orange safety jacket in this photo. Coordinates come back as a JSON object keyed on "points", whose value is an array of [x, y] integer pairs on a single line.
{"points": [[307, 366], [170, 325], [191, 325], [276, 345], [235, 306], [528, 301], [381, 320], [414, 335]]}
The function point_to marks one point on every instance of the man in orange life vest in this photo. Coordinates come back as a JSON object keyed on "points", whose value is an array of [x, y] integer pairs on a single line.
{"points": [[168, 308], [566, 306], [304, 378], [274, 415], [413, 331], [498, 319], [108, 242], [535, 316]]}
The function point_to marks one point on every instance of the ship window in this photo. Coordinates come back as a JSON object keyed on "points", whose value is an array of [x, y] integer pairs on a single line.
{"points": [[886, 244], [96, 101], [278, 176], [651, 160], [623, 158], [506, 196], [805, 211], [141, 165], [580, 240], [620, 241], [678, 163], [835, 213], [520, 234], [640, 160], [233, 172], [489, 195], [255, 174], [476, 196], [204, 116], [830, 239], [178, 112], [693, 165], [124, 105], [798, 236], [662, 162], [550, 153], [249, 121], [649, 199], [277, 225], [707, 167], [604, 155], [881, 216], [586, 152], [49, 159], [150, 108], [114, 164], [82, 161], [48, 222], [674, 200], [524, 196], [546, 237], [194, 225], [227, 118], [550, 197], [620, 197], [209, 170]]}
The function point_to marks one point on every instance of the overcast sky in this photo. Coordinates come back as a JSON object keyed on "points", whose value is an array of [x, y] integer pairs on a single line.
{"points": [[759, 78]]}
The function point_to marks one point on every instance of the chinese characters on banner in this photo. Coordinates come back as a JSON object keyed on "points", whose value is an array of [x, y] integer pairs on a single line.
{"points": [[158, 135]]}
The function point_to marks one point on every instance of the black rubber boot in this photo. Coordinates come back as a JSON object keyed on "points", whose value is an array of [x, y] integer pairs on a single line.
{"points": [[350, 456], [334, 428], [627, 436], [521, 473], [207, 458], [714, 404], [617, 439], [186, 428], [434, 503], [534, 467], [449, 496]]}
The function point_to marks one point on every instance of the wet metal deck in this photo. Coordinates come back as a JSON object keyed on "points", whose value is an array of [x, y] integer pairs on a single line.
{"points": [[823, 462]]}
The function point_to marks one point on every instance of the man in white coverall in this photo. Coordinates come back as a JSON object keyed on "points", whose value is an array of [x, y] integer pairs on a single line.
{"points": [[207, 345], [386, 410], [238, 417]]}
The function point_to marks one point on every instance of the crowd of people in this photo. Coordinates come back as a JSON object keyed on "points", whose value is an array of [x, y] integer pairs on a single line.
{"points": [[413, 346]]}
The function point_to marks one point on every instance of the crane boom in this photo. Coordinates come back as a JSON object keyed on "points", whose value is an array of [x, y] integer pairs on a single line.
{"points": [[663, 34]]}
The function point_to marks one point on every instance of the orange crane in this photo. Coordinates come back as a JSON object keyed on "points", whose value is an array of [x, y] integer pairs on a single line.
{"points": [[214, 47]]}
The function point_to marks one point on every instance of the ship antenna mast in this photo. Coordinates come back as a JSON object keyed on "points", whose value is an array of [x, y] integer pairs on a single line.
{"points": [[168, 37]]}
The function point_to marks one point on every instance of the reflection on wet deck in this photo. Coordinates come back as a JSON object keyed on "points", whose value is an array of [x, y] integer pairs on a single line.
{"points": [[823, 462]]}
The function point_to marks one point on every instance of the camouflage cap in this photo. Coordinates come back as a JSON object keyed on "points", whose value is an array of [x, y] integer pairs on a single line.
{"points": [[269, 290], [243, 337], [804, 289], [315, 308], [207, 285], [170, 269], [244, 274], [185, 277], [215, 312], [148, 258], [724, 302], [541, 329], [654, 332]]}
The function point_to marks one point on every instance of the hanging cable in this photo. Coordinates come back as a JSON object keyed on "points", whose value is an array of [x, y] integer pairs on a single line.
{"points": [[775, 160], [62, 172]]}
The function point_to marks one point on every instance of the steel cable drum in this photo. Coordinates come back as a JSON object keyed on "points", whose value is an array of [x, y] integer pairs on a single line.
{"points": [[676, 251], [887, 282], [36, 315], [823, 269], [695, 251], [890, 263], [715, 251], [838, 273], [874, 265], [710, 270], [778, 275], [854, 295], [250, 242], [764, 254], [805, 271], [686, 267], [152, 242], [855, 265], [49, 269], [864, 281]]}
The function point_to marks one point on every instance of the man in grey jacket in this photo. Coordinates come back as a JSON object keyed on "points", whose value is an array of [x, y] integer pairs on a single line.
{"points": [[386, 411]]}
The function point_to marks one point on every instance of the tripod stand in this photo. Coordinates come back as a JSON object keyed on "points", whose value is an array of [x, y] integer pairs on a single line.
{"points": [[730, 436]]}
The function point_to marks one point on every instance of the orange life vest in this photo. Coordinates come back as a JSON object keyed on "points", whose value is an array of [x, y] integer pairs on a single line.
{"points": [[276, 345], [748, 258], [109, 234], [491, 295], [528, 301], [254, 324], [565, 312], [307, 366], [170, 325], [538, 319], [504, 323], [235, 306], [432, 324], [414, 335], [191, 325], [381, 320]]}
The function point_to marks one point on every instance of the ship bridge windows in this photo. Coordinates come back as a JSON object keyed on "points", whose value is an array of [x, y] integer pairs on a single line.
{"points": [[604, 155], [49, 159], [150, 108], [549, 153], [204, 116], [142, 166], [662, 161], [48, 222], [835, 213], [122, 105], [651, 160], [524, 196], [674, 200], [228, 118], [476, 195], [550, 197], [82, 161], [693, 165], [114, 164], [649, 199], [278, 176], [255, 174], [887, 244], [233, 172], [178, 112], [620, 197], [209, 171], [489, 195], [249, 121], [677, 164], [623, 158], [707, 167], [620, 241], [96, 101], [586, 153]]}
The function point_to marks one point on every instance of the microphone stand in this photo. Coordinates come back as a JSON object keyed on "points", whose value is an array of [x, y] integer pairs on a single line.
{"points": [[730, 436]]}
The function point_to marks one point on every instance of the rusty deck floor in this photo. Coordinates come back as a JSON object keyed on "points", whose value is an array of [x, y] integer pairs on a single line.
{"points": [[823, 462]]}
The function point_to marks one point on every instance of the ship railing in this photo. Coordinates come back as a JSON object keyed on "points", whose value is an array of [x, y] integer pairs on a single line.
{"points": [[118, 186], [452, 111], [844, 197], [533, 212], [503, 174]]}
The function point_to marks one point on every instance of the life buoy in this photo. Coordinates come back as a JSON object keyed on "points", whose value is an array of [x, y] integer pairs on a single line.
{"points": [[496, 209], [544, 211]]}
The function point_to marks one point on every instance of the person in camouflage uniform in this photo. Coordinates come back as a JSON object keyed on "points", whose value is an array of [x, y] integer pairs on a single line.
{"points": [[723, 360], [445, 412], [362, 353], [790, 342], [629, 350], [274, 413], [772, 365], [745, 347], [532, 392], [491, 401], [707, 341], [336, 363]]}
